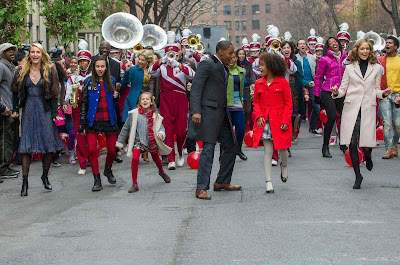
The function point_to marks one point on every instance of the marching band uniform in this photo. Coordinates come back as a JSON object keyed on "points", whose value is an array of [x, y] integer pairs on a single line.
{"points": [[311, 40], [173, 101], [344, 36]]}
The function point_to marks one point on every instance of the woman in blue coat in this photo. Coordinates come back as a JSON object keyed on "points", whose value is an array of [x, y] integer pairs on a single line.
{"points": [[139, 79]]}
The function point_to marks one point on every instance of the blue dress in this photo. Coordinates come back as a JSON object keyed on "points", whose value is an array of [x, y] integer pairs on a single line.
{"points": [[38, 130], [134, 77]]}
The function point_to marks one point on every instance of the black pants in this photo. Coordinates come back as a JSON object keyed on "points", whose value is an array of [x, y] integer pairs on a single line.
{"points": [[331, 106], [228, 157]]}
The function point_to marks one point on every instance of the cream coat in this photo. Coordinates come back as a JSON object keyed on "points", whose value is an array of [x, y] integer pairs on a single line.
{"points": [[163, 149], [360, 93]]}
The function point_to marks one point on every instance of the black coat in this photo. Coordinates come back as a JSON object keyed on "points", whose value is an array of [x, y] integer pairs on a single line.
{"points": [[208, 97]]}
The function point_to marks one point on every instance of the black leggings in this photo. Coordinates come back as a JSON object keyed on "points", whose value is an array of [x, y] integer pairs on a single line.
{"points": [[353, 147], [331, 106]]}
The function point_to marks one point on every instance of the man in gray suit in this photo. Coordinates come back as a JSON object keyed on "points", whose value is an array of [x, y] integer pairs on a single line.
{"points": [[209, 120]]}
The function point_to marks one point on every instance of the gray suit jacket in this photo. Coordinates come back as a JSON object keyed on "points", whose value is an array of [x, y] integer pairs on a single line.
{"points": [[312, 61], [208, 97]]}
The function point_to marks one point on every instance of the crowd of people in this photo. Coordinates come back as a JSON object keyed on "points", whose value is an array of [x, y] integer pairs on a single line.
{"points": [[141, 102]]}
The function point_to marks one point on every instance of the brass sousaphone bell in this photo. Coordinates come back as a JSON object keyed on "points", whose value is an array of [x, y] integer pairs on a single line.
{"points": [[122, 30]]}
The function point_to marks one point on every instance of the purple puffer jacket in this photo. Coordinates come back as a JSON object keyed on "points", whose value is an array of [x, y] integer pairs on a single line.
{"points": [[332, 70]]}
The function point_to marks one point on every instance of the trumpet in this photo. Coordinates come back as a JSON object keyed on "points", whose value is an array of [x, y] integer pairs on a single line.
{"points": [[275, 45], [138, 47], [171, 56], [193, 40], [74, 96]]}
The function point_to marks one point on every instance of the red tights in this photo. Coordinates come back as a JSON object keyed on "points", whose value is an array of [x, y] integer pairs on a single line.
{"points": [[135, 163], [92, 146]]}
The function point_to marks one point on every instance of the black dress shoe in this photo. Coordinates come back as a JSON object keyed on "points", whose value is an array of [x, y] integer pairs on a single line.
{"points": [[24, 189], [45, 180], [325, 151], [357, 183], [118, 158], [343, 148], [368, 163]]}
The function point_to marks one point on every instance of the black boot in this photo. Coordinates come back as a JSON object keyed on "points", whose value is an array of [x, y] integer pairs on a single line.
{"points": [[343, 148], [118, 157], [325, 151], [24, 189], [45, 180], [241, 155], [97, 183], [108, 173], [357, 183]]}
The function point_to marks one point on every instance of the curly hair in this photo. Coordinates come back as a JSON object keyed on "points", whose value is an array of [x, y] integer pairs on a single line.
{"points": [[148, 55], [275, 63], [353, 57]]}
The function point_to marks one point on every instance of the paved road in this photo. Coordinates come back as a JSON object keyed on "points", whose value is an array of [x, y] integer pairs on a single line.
{"points": [[315, 218]]}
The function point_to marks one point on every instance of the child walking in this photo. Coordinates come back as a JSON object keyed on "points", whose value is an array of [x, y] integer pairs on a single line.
{"points": [[272, 109], [146, 134]]}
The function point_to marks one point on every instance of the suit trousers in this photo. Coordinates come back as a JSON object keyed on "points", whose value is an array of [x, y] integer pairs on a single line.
{"points": [[228, 157]]}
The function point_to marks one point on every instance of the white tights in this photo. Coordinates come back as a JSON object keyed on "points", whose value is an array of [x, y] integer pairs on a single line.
{"points": [[283, 155]]}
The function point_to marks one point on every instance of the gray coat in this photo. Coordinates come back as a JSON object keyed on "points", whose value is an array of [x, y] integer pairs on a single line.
{"points": [[312, 60], [208, 97], [6, 79]]}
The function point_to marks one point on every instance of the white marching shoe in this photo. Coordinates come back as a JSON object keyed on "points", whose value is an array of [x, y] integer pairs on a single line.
{"points": [[81, 171], [274, 162], [180, 161], [270, 189], [171, 166]]}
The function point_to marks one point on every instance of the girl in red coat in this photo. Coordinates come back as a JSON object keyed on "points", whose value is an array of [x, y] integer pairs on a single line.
{"points": [[273, 110]]}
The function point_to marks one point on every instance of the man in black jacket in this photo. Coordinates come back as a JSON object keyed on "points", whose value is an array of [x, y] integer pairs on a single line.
{"points": [[209, 120]]}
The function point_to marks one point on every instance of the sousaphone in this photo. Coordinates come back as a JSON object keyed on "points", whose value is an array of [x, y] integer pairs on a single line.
{"points": [[153, 36]]}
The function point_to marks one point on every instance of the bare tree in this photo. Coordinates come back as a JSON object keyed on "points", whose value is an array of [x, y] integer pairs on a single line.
{"points": [[393, 13]]}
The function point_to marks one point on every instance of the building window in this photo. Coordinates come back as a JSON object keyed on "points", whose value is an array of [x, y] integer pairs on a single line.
{"points": [[267, 8], [228, 25], [227, 10], [243, 10], [255, 9], [237, 25], [255, 24], [237, 10], [230, 38], [244, 24], [214, 10], [281, 7], [237, 40]]}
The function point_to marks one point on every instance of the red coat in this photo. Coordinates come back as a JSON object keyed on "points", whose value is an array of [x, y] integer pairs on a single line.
{"points": [[273, 102]]}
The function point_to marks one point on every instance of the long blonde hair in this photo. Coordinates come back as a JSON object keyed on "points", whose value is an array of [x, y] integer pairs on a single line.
{"points": [[148, 55], [45, 64]]}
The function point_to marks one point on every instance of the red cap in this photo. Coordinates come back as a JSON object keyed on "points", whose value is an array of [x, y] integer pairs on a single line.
{"points": [[84, 55], [343, 35], [319, 46], [255, 46], [312, 40], [246, 47], [267, 38], [184, 41], [171, 48]]}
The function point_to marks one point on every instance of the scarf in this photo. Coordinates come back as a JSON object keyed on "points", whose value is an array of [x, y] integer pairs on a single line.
{"points": [[11, 66], [337, 55], [152, 139]]}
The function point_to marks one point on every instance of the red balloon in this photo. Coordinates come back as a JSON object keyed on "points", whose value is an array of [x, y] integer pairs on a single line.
{"points": [[248, 139], [193, 160], [379, 133], [37, 157], [101, 138], [323, 116], [348, 159], [200, 144]]}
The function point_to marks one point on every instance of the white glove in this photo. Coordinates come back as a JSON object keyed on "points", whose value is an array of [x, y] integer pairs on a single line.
{"points": [[174, 63], [189, 52], [165, 59]]}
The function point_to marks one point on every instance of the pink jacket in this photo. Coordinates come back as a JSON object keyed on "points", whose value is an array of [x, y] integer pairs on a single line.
{"points": [[329, 73]]}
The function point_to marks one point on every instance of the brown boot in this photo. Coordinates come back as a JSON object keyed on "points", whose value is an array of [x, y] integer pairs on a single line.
{"points": [[395, 151], [145, 157], [388, 154], [133, 188], [165, 177]]}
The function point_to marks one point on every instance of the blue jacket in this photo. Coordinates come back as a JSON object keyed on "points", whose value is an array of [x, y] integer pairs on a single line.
{"points": [[90, 101], [134, 77]]}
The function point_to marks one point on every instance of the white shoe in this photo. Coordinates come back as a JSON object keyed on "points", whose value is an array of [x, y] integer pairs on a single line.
{"points": [[270, 189], [332, 141], [185, 152], [180, 161], [320, 131], [171, 166], [81, 171], [274, 162]]}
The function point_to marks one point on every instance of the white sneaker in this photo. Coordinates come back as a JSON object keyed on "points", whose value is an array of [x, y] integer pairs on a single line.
{"points": [[185, 152], [320, 131], [270, 189], [274, 162], [81, 171], [180, 161], [171, 166], [332, 141]]}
